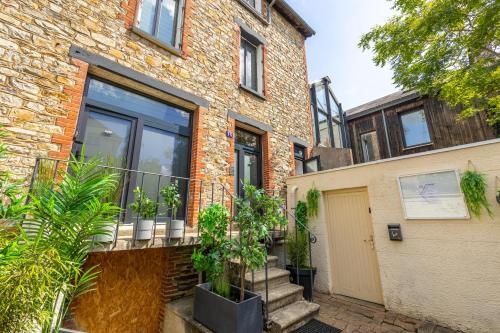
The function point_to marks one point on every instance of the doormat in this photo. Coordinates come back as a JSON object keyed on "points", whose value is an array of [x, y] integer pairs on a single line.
{"points": [[316, 326]]}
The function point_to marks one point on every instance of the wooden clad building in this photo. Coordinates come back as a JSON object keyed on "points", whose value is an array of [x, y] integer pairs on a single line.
{"points": [[405, 123]]}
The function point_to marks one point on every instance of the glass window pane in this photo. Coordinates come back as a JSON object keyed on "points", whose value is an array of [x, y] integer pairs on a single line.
{"points": [[314, 124], [312, 165], [251, 169], [299, 152], [299, 167], [251, 66], [109, 94], [166, 154], [251, 2], [247, 139], [335, 108], [168, 19], [147, 15], [242, 63], [324, 134], [321, 98], [107, 137], [415, 128], [369, 147], [337, 135]]}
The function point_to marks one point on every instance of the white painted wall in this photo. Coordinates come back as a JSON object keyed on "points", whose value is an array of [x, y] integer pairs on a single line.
{"points": [[447, 271]]}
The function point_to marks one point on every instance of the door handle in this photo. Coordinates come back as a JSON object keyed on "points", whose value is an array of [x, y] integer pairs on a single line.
{"points": [[371, 241]]}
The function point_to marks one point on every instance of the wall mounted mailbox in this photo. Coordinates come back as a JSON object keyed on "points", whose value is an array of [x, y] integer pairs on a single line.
{"points": [[395, 233]]}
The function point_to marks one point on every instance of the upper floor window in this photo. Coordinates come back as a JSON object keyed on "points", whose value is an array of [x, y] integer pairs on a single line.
{"points": [[369, 146], [299, 154], [255, 4], [162, 20], [252, 62], [415, 129]]}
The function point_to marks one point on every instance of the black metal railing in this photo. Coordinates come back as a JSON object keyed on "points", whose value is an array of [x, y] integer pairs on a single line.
{"points": [[134, 186]]}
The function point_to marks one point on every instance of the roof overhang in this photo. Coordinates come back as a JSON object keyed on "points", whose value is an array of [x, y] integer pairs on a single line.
{"points": [[294, 18], [378, 108]]}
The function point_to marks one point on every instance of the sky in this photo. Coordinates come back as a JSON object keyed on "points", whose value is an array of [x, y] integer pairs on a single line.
{"points": [[333, 51]]}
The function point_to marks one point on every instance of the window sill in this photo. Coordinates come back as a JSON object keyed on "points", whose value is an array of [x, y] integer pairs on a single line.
{"points": [[252, 10], [157, 42], [418, 146], [253, 92]]}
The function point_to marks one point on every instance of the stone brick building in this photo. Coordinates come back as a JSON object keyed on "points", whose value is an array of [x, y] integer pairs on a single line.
{"points": [[201, 89]]}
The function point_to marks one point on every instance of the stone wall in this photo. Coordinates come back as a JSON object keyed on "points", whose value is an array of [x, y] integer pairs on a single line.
{"points": [[40, 85]]}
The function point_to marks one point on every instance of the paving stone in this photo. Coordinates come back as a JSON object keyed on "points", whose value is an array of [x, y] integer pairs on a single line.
{"points": [[406, 326], [390, 317], [440, 329], [363, 311]]}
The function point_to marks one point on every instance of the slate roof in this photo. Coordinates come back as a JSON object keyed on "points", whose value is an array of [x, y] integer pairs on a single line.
{"points": [[381, 103]]}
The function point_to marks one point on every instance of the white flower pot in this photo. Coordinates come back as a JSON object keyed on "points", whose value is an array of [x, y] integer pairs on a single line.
{"points": [[109, 237], [144, 230], [174, 229]]}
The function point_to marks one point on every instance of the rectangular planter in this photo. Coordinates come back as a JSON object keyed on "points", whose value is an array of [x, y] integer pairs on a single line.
{"points": [[223, 315]]}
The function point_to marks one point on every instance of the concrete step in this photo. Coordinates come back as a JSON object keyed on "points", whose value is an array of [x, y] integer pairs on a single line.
{"points": [[276, 277], [282, 296], [292, 316], [272, 261]]}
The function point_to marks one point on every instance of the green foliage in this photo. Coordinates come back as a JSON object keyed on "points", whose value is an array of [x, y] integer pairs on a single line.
{"points": [[171, 197], [213, 252], [143, 205], [42, 271], [473, 185], [257, 213], [12, 200], [312, 198], [448, 48], [297, 249], [301, 213]]}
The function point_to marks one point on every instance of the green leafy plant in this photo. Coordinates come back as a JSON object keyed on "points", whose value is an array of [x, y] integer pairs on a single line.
{"points": [[171, 197], [41, 272], [301, 213], [312, 198], [473, 185], [211, 257], [143, 205], [297, 249], [257, 213]]}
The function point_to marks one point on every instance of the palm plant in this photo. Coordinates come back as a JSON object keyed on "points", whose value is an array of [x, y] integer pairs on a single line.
{"points": [[46, 267]]}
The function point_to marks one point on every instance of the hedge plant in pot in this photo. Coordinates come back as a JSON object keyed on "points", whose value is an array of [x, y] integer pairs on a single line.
{"points": [[146, 210], [172, 200], [298, 252], [216, 303]]}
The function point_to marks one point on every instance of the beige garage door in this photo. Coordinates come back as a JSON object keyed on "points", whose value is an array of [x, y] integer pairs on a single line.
{"points": [[354, 265]]}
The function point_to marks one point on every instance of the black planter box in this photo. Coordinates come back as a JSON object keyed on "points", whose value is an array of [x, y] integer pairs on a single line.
{"points": [[223, 315], [303, 278]]}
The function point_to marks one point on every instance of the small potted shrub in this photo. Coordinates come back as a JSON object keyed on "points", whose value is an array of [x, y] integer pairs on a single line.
{"points": [[298, 247], [216, 303], [146, 210], [172, 200]]}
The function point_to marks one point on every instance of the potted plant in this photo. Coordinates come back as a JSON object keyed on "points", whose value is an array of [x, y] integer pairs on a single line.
{"points": [[172, 200], [146, 210], [473, 185], [216, 303], [300, 272]]}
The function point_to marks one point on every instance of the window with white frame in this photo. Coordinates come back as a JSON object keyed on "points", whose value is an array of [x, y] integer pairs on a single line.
{"points": [[251, 63], [161, 20]]}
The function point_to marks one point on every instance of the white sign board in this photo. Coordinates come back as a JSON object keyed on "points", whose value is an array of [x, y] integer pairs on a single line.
{"points": [[434, 195]]}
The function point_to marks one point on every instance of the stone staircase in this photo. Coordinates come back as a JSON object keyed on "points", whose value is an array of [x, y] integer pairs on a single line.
{"points": [[287, 308]]}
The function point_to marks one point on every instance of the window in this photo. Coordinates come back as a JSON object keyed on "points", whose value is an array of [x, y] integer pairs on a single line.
{"points": [[327, 117], [369, 146], [162, 20], [299, 156], [251, 61], [312, 165], [255, 4], [248, 64], [132, 131], [415, 130]]}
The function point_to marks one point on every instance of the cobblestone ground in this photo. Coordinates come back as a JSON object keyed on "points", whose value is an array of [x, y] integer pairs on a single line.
{"points": [[353, 316]]}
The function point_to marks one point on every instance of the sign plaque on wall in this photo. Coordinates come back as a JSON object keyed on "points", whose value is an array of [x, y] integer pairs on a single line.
{"points": [[435, 195]]}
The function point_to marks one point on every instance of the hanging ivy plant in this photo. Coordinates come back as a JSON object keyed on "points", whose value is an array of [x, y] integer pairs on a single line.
{"points": [[313, 202], [473, 185], [301, 215]]}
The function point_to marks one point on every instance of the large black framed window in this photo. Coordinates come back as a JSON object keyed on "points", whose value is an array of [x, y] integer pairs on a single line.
{"points": [[299, 155], [161, 20], [129, 130], [328, 119]]}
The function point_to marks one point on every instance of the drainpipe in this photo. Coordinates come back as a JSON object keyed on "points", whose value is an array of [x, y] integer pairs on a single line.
{"points": [[386, 133], [271, 4]]}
